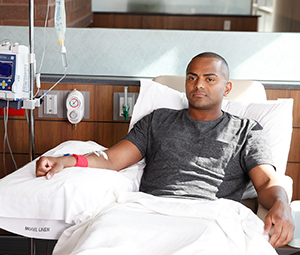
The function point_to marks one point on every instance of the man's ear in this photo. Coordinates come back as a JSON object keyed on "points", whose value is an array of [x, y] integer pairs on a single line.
{"points": [[228, 88]]}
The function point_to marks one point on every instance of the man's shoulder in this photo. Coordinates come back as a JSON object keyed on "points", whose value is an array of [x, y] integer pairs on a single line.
{"points": [[242, 120]]}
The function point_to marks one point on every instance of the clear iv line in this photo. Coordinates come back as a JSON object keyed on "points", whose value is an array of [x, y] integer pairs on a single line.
{"points": [[55, 84]]}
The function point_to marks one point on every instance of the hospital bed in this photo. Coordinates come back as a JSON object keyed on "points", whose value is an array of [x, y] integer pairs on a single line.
{"points": [[77, 202]]}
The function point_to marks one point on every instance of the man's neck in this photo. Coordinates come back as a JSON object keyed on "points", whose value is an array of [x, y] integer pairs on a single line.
{"points": [[205, 115]]}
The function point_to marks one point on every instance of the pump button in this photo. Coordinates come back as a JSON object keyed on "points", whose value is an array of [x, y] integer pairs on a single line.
{"points": [[3, 84]]}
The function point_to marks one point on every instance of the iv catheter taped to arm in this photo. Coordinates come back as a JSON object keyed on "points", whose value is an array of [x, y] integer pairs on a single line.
{"points": [[98, 153]]}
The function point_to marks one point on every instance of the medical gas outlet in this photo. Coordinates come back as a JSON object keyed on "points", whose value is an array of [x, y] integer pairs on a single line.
{"points": [[75, 107]]}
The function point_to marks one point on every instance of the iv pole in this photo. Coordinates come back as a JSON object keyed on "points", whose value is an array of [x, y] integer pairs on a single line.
{"points": [[31, 111], [32, 78]]}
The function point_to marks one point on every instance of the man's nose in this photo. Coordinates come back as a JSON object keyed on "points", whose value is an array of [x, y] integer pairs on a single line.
{"points": [[199, 84]]}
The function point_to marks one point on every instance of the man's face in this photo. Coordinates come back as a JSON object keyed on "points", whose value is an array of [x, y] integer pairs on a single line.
{"points": [[206, 83]]}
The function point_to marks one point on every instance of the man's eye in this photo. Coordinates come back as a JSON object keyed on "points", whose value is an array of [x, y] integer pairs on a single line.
{"points": [[210, 79], [191, 78]]}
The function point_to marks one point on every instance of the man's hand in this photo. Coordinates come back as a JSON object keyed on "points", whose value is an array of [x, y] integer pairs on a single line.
{"points": [[48, 166], [273, 197], [280, 217]]}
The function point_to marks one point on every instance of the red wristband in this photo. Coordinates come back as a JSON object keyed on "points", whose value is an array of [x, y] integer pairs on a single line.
{"points": [[81, 161]]}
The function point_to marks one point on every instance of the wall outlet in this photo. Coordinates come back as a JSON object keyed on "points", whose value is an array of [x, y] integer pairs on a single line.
{"points": [[50, 104], [227, 25]]}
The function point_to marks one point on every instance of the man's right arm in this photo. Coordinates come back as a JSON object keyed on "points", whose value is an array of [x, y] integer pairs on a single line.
{"points": [[120, 156]]}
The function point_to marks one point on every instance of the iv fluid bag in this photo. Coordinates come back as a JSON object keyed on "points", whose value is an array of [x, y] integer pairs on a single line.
{"points": [[60, 20]]}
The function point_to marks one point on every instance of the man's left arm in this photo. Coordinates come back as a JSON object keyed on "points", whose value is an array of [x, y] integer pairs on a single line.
{"points": [[273, 197]]}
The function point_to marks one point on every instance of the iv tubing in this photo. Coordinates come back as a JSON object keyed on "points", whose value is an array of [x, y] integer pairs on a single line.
{"points": [[5, 116], [43, 55], [55, 84]]}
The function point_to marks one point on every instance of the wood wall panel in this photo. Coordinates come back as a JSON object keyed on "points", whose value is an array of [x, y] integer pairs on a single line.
{"points": [[176, 22], [293, 166], [293, 170], [154, 22], [294, 155], [21, 160], [132, 21], [49, 135], [18, 132], [105, 20]]}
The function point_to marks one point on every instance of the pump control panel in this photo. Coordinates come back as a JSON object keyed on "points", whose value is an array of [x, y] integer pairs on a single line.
{"points": [[14, 72]]}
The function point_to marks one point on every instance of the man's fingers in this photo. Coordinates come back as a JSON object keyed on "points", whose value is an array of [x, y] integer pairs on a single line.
{"points": [[49, 175], [285, 236], [47, 167], [278, 236], [283, 231], [268, 226]]}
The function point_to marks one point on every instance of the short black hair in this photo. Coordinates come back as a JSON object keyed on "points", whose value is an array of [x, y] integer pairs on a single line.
{"points": [[212, 55]]}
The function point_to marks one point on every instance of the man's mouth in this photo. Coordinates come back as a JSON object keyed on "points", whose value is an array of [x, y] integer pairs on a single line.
{"points": [[199, 94]]}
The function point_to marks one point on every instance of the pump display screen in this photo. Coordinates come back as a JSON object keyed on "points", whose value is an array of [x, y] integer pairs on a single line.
{"points": [[6, 69]]}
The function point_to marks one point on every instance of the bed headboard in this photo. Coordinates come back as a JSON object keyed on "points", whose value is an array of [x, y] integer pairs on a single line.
{"points": [[242, 90]]}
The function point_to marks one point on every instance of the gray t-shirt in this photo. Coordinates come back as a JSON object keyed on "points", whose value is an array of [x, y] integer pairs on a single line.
{"points": [[198, 159]]}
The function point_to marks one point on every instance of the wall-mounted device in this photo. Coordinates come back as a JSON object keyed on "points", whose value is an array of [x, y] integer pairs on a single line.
{"points": [[120, 105], [14, 72], [75, 107]]}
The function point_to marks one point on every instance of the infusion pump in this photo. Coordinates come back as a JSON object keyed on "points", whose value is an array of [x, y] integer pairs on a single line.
{"points": [[14, 72]]}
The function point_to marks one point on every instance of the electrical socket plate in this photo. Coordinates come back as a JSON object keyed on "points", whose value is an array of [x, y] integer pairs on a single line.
{"points": [[119, 99], [227, 25], [61, 96], [50, 104]]}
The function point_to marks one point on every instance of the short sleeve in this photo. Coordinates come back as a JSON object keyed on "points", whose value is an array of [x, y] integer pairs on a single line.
{"points": [[256, 150], [139, 134]]}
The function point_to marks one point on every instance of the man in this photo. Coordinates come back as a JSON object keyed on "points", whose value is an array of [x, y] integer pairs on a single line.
{"points": [[197, 153]]}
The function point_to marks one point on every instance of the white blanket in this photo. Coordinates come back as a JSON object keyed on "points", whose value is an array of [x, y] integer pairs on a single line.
{"points": [[141, 224]]}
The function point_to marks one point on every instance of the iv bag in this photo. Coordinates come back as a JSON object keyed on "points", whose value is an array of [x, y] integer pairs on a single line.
{"points": [[60, 20]]}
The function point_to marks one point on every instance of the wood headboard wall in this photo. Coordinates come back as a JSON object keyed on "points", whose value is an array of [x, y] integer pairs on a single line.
{"points": [[293, 166], [101, 128]]}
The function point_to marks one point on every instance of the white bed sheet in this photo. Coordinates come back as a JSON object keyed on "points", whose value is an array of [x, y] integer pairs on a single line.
{"points": [[41, 208], [138, 223], [34, 228]]}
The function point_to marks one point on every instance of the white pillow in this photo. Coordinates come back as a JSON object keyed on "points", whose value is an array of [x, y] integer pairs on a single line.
{"points": [[154, 95], [274, 115], [277, 120], [68, 194]]}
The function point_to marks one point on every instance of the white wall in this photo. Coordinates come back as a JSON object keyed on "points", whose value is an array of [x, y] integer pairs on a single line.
{"points": [[149, 53]]}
